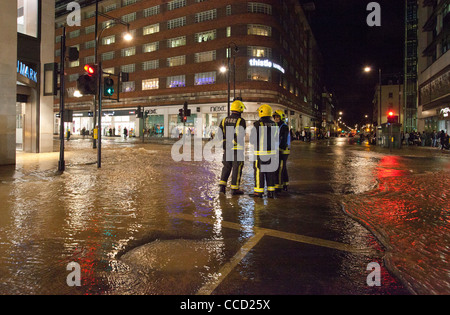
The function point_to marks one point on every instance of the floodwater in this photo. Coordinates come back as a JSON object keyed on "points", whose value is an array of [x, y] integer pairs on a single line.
{"points": [[145, 224]]}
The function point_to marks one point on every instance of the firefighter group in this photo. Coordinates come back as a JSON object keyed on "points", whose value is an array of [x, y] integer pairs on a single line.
{"points": [[271, 145]]}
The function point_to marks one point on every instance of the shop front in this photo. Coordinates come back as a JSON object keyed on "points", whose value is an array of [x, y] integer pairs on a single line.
{"points": [[205, 119]]}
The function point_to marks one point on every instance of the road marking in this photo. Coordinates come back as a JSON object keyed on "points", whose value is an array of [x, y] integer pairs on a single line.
{"points": [[209, 287]]}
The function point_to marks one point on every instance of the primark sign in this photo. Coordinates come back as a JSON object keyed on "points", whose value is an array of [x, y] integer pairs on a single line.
{"points": [[26, 71]]}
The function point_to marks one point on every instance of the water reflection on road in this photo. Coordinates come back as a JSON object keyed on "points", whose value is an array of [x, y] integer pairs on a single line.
{"points": [[144, 201]]}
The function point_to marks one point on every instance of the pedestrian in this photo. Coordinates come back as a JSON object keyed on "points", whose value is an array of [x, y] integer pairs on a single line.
{"points": [[446, 144], [125, 133], [233, 132], [442, 137], [262, 136], [281, 175]]}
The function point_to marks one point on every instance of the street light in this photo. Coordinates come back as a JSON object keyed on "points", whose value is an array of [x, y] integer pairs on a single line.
{"points": [[227, 69], [128, 37], [368, 69]]}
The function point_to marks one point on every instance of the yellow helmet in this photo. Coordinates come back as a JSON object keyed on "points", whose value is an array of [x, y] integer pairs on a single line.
{"points": [[237, 106], [280, 113], [265, 111]]}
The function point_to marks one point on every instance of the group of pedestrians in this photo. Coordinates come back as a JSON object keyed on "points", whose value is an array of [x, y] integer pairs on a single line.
{"points": [[271, 141], [433, 139]]}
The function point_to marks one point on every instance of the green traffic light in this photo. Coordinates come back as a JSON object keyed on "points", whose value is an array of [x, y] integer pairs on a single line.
{"points": [[109, 91]]}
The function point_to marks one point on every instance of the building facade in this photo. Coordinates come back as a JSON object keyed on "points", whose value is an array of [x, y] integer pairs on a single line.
{"points": [[410, 67], [434, 65], [266, 49], [26, 115]]}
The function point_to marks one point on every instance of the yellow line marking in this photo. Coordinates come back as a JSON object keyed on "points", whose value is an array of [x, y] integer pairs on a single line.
{"points": [[211, 285]]}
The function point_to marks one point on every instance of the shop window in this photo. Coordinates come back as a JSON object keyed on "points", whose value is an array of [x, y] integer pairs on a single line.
{"points": [[27, 17]]}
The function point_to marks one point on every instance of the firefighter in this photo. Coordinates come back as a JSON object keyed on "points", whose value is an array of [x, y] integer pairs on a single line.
{"points": [[263, 137], [281, 175], [233, 131]]}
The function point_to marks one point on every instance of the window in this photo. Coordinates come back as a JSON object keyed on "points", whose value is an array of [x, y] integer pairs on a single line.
{"points": [[108, 55], [206, 16], [147, 30], [176, 42], [205, 36], [129, 17], [128, 86], [259, 74], [176, 23], [176, 61], [150, 47], [256, 7], [127, 52], [205, 56], [150, 84], [109, 40], [90, 44], [27, 17], [89, 59], [150, 65], [128, 68], [176, 81], [152, 11], [89, 29], [205, 78], [128, 2], [110, 7], [260, 30], [74, 34], [175, 4], [259, 52]]}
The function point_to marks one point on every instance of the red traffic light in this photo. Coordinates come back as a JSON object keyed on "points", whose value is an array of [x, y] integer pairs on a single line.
{"points": [[391, 114], [89, 69]]}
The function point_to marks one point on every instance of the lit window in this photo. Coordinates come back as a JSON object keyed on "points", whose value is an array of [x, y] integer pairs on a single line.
{"points": [[150, 84], [27, 17], [205, 78]]}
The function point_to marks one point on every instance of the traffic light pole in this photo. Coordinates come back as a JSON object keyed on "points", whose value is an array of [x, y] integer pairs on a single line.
{"points": [[62, 163], [100, 92]]}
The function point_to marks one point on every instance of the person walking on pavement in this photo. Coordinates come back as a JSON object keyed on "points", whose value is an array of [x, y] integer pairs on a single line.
{"points": [[233, 131], [281, 175], [263, 138]]}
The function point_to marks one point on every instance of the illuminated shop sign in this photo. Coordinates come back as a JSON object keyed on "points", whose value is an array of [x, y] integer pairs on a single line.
{"points": [[265, 63], [26, 71]]}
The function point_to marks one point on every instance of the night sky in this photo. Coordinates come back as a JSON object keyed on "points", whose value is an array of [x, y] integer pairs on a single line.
{"points": [[348, 44]]}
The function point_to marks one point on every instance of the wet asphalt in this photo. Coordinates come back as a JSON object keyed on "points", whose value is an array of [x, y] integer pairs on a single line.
{"points": [[145, 224]]}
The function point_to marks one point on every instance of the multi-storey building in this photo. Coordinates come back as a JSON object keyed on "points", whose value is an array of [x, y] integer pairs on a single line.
{"points": [[434, 65], [178, 52], [26, 111], [410, 67]]}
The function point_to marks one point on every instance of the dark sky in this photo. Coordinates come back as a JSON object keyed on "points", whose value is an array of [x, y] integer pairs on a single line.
{"points": [[348, 44]]}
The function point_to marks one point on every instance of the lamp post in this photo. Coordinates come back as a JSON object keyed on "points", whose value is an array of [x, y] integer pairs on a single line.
{"points": [[227, 69], [98, 37]]}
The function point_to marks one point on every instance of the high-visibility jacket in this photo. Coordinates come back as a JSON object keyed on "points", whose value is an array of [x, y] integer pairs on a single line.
{"points": [[264, 133], [234, 120]]}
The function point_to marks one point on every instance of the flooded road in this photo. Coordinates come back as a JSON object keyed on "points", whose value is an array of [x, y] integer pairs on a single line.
{"points": [[144, 224]]}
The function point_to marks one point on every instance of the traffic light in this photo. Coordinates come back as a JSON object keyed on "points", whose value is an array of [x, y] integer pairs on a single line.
{"points": [[87, 83], [187, 112], [392, 118], [108, 86], [181, 113]]}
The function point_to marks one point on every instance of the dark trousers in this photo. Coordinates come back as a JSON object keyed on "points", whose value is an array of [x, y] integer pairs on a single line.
{"points": [[261, 178], [233, 168], [281, 175]]}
